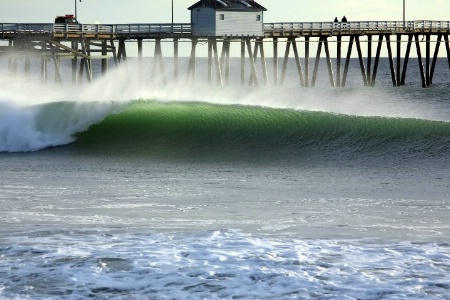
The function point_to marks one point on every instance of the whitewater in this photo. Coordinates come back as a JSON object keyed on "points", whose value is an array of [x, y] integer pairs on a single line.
{"points": [[128, 190]]}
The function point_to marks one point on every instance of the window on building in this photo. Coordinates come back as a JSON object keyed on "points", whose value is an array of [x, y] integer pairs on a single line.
{"points": [[258, 18], [222, 17]]}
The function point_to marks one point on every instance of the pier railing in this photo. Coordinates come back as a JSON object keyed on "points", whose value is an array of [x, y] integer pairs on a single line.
{"points": [[317, 28], [270, 29], [120, 29]]}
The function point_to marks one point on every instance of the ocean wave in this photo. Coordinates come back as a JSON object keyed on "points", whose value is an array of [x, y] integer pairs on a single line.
{"points": [[235, 131], [213, 131]]}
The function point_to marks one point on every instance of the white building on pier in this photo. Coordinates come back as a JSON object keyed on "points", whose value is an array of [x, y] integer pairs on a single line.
{"points": [[227, 18]]}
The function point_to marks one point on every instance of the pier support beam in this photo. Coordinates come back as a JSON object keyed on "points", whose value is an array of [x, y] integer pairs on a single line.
{"points": [[253, 76], [27, 67], [57, 62], [405, 63], [139, 44], [338, 61], [158, 60], [436, 52], [285, 60], [316, 63], [391, 60], [13, 66], [88, 61], [275, 61], [361, 60], [419, 57], [217, 63], [209, 61], [263, 61], [259, 47], [369, 60], [298, 63], [44, 71], [44, 74], [242, 61], [377, 60], [140, 70], [347, 60], [225, 61], [330, 67], [307, 61], [83, 65], [399, 60], [121, 51], [191, 67], [74, 45], [427, 58], [447, 47], [105, 57], [114, 52], [12, 61], [176, 67], [85, 62], [323, 40]]}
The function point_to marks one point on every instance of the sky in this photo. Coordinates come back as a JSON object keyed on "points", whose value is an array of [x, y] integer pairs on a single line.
{"points": [[159, 11]]}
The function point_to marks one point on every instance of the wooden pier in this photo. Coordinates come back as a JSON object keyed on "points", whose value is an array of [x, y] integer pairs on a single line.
{"points": [[84, 43]]}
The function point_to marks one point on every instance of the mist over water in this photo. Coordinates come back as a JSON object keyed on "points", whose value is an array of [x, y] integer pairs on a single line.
{"points": [[24, 103]]}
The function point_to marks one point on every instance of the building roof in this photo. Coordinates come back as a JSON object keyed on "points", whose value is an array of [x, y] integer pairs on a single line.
{"points": [[236, 5]]}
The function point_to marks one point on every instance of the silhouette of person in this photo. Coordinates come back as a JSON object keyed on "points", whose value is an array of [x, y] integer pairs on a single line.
{"points": [[335, 24], [344, 20]]}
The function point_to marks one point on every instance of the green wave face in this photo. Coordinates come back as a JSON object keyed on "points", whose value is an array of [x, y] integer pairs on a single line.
{"points": [[206, 131]]}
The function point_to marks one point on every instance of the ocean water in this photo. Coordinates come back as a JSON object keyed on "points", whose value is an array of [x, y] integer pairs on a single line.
{"points": [[128, 189]]}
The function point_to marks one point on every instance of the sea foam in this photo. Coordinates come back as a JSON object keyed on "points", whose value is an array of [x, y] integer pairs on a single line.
{"points": [[219, 265]]}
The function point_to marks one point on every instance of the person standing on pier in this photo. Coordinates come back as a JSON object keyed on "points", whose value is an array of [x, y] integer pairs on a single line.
{"points": [[344, 20]]}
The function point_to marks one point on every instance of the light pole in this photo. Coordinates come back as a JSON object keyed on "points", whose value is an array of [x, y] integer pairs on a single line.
{"points": [[404, 13], [76, 15], [172, 12]]}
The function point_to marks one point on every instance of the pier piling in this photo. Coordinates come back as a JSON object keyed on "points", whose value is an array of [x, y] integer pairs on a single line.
{"points": [[406, 60], [347, 60], [369, 60], [338, 61], [361, 60], [419, 57]]}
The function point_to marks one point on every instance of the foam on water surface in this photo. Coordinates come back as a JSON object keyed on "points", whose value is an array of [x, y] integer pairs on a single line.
{"points": [[217, 264]]}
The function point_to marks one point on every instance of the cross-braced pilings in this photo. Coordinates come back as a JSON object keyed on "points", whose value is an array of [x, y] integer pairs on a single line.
{"points": [[83, 43]]}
